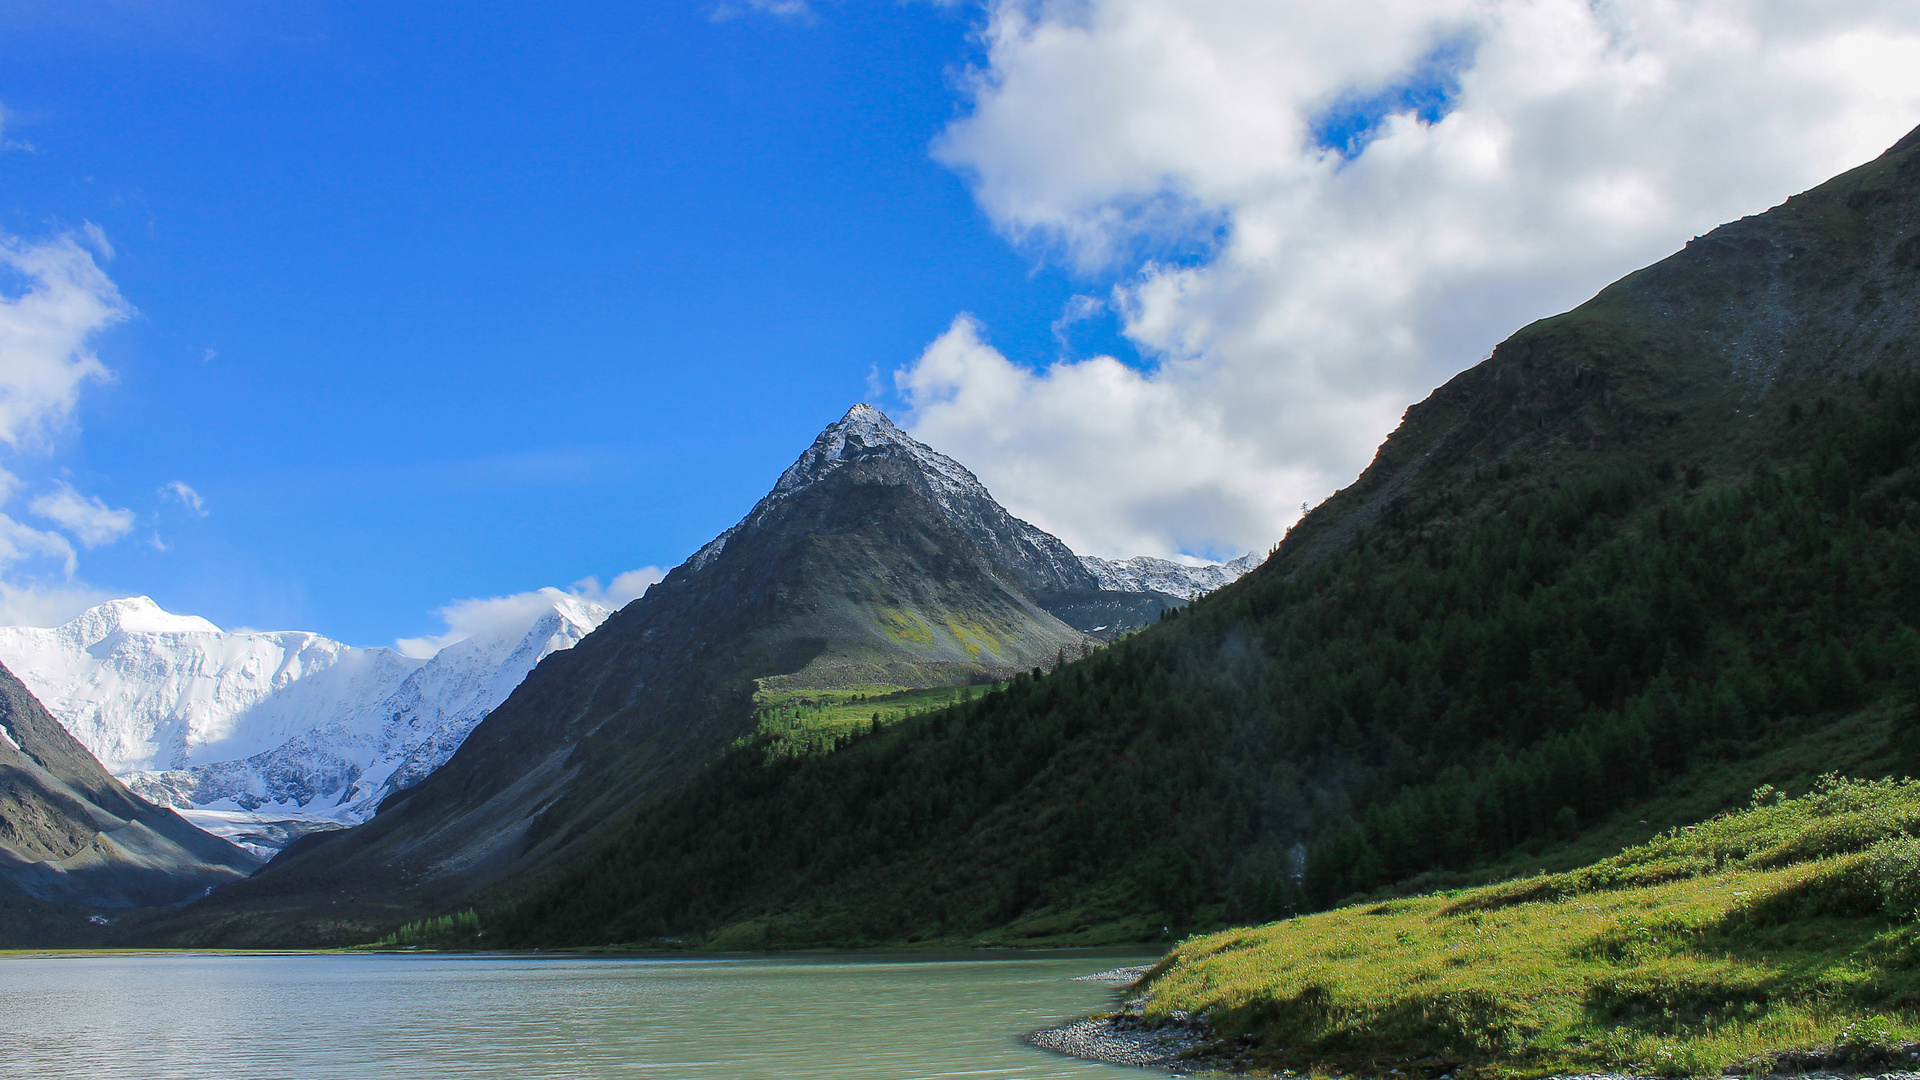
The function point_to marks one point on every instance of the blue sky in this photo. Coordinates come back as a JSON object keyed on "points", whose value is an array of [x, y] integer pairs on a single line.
{"points": [[432, 302], [469, 301]]}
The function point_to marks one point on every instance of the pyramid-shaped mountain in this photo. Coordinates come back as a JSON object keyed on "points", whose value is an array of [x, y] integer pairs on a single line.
{"points": [[874, 562], [1653, 553]]}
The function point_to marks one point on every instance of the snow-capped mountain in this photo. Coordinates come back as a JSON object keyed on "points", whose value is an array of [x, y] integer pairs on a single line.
{"points": [[261, 736], [1144, 573], [1041, 561]]}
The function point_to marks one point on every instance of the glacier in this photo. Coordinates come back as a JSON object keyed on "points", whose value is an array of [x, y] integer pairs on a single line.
{"points": [[1144, 573], [263, 736]]}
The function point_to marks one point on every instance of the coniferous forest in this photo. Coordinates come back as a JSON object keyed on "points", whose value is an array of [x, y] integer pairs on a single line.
{"points": [[1509, 657]]}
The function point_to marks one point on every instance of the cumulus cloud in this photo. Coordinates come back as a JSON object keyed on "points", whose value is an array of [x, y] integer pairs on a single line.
{"points": [[91, 521], [45, 331], [1378, 191], [498, 618], [1093, 440], [191, 498]]}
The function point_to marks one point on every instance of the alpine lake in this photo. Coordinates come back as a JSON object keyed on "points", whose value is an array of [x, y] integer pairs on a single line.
{"points": [[162, 1016]]}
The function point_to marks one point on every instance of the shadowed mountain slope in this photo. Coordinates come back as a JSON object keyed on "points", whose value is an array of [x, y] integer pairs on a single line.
{"points": [[72, 835], [1664, 543], [873, 562]]}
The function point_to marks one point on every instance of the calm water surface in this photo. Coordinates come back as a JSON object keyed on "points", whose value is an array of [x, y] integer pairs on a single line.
{"points": [[164, 1017]]}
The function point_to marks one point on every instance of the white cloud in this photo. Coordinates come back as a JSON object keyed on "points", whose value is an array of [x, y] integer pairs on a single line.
{"points": [[24, 543], [45, 331], [497, 618], [1092, 439], [1579, 140], [45, 605], [624, 589], [91, 521], [179, 490]]}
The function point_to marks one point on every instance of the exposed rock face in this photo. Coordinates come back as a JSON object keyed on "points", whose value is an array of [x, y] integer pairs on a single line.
{"points": [[71, 834]]}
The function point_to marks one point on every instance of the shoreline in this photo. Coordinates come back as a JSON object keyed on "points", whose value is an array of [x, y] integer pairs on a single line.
{"points": [[1124, 1038], [1124, 1041]]}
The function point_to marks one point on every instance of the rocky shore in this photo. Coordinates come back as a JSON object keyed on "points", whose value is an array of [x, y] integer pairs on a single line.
{"points": [[1125, 1038]]}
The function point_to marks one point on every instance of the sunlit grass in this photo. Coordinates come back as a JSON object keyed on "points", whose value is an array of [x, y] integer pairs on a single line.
{"points": [[1785, 926], [811, 721]]}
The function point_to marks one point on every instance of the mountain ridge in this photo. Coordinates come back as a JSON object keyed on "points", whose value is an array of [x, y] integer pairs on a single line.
{"points": [[1666, 537], [261, 736], [72, 836]]}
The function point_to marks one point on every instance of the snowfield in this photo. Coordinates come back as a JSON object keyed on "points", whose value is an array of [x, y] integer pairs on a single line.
{"points": [[263, 736]]}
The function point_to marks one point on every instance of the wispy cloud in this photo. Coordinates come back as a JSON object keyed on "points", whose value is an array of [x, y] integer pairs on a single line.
{"points": [[495, 618], [23, 543], [790, 10], [1077, 309], [179, 490], [91, 521]]}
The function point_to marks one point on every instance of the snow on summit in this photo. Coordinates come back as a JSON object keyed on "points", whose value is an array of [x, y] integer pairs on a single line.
{"points": [[244, 732]]}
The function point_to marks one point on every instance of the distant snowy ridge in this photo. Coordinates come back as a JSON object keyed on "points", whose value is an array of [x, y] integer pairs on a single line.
{"points": [[1143, 573], [262, 736]]}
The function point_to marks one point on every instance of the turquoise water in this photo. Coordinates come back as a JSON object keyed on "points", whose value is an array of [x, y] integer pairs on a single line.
{"points": [[162, 1017]]}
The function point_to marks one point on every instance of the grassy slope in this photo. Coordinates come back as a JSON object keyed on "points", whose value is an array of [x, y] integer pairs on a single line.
{"points": [[815, 721], [1786, 926]]}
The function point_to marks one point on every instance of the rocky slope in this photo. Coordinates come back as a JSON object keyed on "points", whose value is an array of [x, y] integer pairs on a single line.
{"points": [[72, 836]]}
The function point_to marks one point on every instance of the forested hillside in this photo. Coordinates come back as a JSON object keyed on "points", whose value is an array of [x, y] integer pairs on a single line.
{"points": [[1675, 528]]}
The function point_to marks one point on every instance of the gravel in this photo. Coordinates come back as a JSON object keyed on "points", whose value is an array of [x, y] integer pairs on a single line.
{"points": [[1123, 1041], [1124, 975]]}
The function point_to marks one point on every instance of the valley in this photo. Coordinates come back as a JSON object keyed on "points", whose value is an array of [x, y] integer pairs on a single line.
{"points": [[1644, 579]]}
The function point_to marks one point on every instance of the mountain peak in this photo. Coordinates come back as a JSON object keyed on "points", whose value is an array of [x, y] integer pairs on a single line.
{"points": [[863, 434], [136, 615], [866, 432], [863, 413]]}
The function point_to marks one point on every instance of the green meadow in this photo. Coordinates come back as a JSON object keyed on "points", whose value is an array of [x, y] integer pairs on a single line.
{"points": [[795, 723], [1787, 926]]}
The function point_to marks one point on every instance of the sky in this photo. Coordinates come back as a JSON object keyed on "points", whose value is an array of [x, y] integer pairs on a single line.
{"points": [[373, 319]]}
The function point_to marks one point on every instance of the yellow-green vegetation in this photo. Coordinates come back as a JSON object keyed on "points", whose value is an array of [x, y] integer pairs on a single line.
{"points": [[904, 627], [1781, 928], [973, 637], [815, 721]]}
